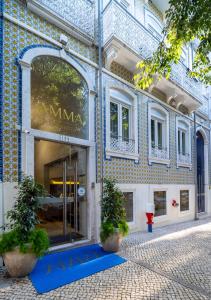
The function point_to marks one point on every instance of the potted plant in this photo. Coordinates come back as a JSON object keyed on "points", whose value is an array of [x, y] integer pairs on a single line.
{"points": [[113, 217], [23, 243]]}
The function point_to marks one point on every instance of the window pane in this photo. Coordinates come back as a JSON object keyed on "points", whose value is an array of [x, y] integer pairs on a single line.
{"points": [[59, 98], [184, 200], [160, 137], [183, 143], [125, 124], [153, 133], [179, 144], [160, 203], [128, 205], [114, 120]]}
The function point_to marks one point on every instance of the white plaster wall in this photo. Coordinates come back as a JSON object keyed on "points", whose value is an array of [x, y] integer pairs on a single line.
{"points": [[209, 201], [8, 194], [143, 194]]}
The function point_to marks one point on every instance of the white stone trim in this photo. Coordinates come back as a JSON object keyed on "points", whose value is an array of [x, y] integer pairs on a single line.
{"points": [[160, 188], [134, 121], [206, 166], [125, 189], [151, 158], [181, 188], [29, 134], [180, 120]]}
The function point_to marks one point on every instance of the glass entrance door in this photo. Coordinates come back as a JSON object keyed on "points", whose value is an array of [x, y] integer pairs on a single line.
{"points": [[61, 169]]}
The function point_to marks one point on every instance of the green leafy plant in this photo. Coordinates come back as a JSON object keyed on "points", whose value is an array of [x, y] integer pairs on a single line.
{"points": [[187, 21], [113, 215], [37, 242], [23, 219]]}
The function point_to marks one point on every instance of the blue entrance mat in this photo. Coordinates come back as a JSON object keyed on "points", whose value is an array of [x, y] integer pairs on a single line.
{"points": [[57, 269]]}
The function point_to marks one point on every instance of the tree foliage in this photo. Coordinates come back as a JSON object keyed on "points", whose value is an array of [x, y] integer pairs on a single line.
{"points": [[187, 21]]}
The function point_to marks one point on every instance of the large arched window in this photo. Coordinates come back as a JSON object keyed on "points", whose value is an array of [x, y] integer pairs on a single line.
{"points": [[59, 98]]}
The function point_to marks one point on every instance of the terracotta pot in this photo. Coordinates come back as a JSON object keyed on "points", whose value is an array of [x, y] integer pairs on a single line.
{"points": [[113, 242], [19, 264]]}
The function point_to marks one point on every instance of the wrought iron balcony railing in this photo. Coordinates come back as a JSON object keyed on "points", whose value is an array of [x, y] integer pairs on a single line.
{"points": [[184, 158], [122, 145], [119, 24], [159, 153]]}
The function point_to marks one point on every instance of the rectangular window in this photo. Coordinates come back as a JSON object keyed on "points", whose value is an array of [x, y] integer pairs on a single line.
{"points": [[125, 123], [184, 200], [160, 203], [114, 120], [128, 205], [160, 136], [183, 143], [153, 133], [179, 144]]}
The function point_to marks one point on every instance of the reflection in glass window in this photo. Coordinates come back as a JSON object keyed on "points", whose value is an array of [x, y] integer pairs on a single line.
{"points": [[156, 134], [182, 142], [160, 203], [119, 121], [128, 205], [59, 98], [114, 119], [153, 133], [160, 136], [184, 200], [125, 124]]}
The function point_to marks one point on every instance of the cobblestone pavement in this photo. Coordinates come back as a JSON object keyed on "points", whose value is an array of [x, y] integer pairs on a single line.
{"points": [[174, 262]]}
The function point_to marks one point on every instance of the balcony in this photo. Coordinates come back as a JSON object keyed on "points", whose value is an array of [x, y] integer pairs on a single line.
{"points": [[119, 147], [159, 155], [184, 160], [126, 40], [76, 17], [118, 144]]}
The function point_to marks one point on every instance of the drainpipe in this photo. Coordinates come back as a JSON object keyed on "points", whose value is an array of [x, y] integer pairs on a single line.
{"points": [[195, 169], [100, 89]]}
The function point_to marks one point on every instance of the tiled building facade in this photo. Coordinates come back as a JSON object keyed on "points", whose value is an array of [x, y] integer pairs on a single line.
{"points": [[144, 139]]}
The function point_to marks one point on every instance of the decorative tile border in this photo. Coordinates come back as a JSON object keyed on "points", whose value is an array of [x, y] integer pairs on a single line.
{"points": [[1, 86]]}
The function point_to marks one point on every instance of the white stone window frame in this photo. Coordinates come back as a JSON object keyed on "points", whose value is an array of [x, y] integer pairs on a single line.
{"points": [[154, 189], [153, 24], [120, 106], [184, 126], [132, 103], [131, 190], [188, 211], [152, 108]]}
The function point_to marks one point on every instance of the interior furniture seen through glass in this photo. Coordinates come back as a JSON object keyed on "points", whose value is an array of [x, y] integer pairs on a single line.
{"points": [[61, 168]]}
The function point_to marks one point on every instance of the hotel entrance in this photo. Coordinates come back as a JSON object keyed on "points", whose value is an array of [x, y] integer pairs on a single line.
{"points": [[61, 168]]}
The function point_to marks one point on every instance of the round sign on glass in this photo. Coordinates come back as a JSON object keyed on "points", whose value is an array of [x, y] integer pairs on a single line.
{"points": [[81, 191], [59, 98]]}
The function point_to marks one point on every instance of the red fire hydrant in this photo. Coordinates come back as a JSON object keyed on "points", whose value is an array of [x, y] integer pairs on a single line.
{"points": [[150, 214], [150, 221]]}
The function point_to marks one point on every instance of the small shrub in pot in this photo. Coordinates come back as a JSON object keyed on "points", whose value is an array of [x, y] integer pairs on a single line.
{"points": [[23, 243], [113, 217]]}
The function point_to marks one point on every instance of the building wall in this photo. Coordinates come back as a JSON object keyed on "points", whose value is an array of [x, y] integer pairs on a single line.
{"points": [[138, 176], [127, 171]]}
